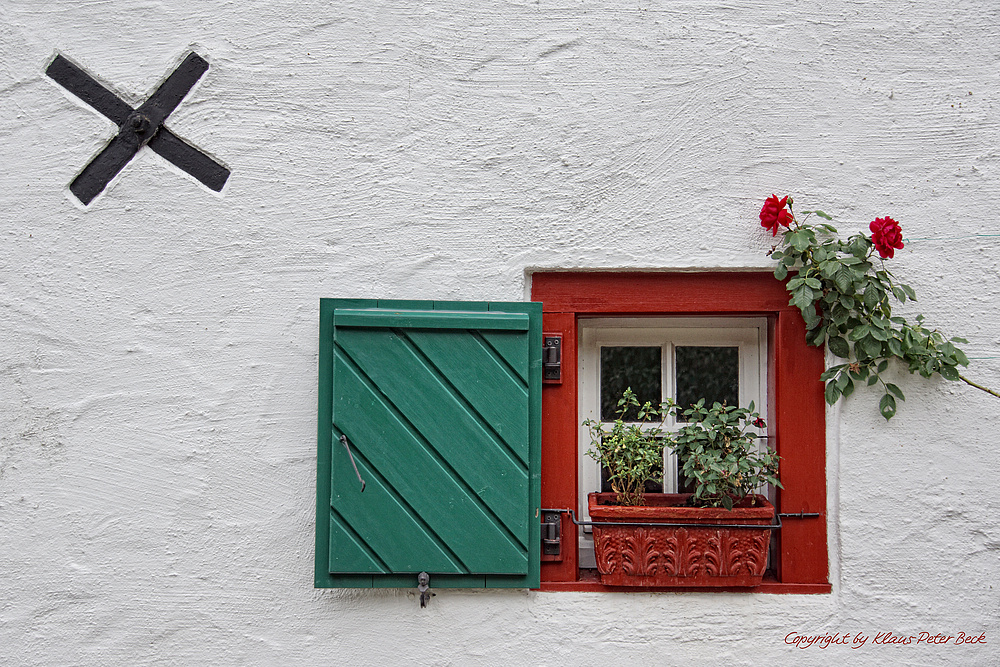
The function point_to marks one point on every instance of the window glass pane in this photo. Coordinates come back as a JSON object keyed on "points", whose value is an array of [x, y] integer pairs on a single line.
{"points": [[712, 373], [624, 367]]}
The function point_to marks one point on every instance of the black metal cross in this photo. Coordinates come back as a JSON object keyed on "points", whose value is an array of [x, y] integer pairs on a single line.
{"points": [[138, 127]]}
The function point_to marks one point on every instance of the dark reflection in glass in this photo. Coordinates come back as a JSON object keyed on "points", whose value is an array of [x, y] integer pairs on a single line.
{"points": [[624, 367], [712, 373]]}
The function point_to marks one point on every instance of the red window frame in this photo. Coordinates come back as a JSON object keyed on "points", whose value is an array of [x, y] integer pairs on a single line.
{"points": [[797, 407]]}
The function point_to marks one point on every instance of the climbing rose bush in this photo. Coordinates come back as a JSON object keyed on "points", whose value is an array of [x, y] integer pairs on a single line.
{"points": [[845, 294]]}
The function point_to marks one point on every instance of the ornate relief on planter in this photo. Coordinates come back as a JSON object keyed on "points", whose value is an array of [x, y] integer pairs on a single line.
{"points": [[680, 556]]}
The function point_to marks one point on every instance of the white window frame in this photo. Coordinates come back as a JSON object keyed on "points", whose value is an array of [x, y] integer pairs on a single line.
{"points": [[749, 334]]}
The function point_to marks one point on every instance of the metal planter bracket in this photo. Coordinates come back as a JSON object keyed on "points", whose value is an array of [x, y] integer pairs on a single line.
{"points": [[651, 524]]}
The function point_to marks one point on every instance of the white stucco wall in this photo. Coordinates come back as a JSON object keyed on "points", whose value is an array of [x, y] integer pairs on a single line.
{"points": [[158, 349]]}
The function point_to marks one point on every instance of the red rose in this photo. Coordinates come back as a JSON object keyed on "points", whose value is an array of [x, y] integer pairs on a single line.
{"points": [[773, 214], [886, 235]]}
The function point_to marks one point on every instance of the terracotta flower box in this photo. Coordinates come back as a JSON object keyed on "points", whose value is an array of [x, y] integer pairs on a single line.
{"points": [[689, 555]]}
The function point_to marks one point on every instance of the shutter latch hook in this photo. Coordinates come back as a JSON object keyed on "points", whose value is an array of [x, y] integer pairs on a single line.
{"points": [[343, 439]]}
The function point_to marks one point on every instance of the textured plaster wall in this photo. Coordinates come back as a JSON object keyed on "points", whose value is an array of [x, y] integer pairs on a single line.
{"points": [[158, 349]]}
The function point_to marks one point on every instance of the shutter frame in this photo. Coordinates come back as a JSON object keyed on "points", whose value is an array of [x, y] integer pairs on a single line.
{"points": [[513, 561]]}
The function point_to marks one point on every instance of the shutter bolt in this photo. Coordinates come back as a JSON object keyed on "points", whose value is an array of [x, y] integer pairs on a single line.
{"points": [[424, 586]]}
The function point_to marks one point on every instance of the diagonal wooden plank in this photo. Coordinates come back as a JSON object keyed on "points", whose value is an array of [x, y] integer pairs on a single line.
{"points": [[421, 480], [512, 348], [482, 461], [348, 552], [389, 530], [483, 380]]}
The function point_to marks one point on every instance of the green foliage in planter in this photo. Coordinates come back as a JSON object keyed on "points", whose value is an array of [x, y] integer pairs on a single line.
{"points": [[631, 452], [717, 453], [716, 448]]}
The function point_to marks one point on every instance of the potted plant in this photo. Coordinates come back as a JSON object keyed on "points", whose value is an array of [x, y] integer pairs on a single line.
{"points": [[701, 541]]}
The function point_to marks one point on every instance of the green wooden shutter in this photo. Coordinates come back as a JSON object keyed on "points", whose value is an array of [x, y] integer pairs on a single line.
{"points": [[441, 406]]}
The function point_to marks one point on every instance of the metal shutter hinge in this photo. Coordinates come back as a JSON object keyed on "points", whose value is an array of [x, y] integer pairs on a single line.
{"points": [[551, 538], [552, 358]]}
